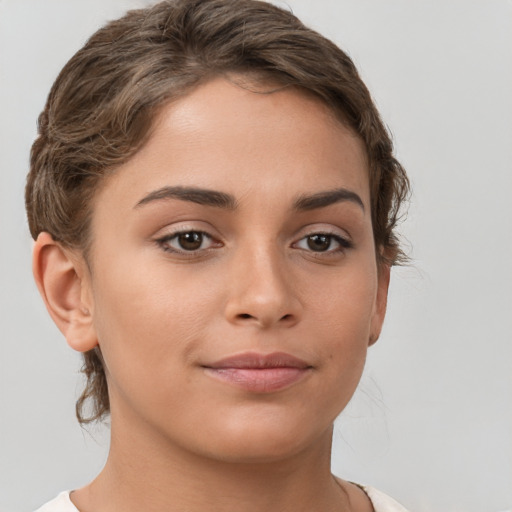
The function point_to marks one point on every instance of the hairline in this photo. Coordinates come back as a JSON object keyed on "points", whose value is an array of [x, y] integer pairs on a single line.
{"points": [[258, 77]]}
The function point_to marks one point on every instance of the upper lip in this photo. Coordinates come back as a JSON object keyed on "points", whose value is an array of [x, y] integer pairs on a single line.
{"points": [[254, 360]]}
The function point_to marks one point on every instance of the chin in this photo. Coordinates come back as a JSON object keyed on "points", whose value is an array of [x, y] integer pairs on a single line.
{"points": [[267, 441]]}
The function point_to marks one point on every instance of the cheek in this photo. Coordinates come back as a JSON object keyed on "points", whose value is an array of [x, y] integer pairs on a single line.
{"points": [[344, 303], [146, 320], [146, 337], [342, 324], [152, 323]]}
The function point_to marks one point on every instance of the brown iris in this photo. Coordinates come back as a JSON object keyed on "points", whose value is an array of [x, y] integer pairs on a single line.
{"points": [[319, 243], [190, 241]]}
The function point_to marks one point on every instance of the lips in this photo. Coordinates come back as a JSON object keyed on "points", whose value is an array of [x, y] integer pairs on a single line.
{"points": [[259, 373]]}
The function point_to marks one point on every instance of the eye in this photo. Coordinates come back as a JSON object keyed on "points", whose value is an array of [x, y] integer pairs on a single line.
{"points": [[187, 241], [323, 242]]}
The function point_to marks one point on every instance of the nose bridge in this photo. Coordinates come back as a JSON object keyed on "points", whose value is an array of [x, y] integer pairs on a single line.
{"points": [[262, 290]]}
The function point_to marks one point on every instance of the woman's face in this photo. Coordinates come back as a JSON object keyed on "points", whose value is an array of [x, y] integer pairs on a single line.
{"points": [[234, 286]]}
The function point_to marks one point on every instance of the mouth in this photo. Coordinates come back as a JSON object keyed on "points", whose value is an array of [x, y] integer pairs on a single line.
{"points": [[259, 373]]}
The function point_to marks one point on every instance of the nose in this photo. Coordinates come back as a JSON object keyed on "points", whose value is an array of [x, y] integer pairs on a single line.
{"points": [[263, 291]]}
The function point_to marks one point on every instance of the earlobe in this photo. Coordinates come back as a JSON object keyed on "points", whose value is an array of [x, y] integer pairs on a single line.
{"points": [[381, 301], [59, 279]]}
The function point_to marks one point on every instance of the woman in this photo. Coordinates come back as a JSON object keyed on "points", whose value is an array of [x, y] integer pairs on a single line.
{"points": [[213, 197]]}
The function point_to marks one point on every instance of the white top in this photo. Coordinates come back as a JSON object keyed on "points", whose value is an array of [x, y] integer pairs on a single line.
{"points": [[380, 501]]}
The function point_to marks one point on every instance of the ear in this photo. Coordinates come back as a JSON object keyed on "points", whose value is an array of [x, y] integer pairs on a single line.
{"points": [[381, 301], [61, 277]]}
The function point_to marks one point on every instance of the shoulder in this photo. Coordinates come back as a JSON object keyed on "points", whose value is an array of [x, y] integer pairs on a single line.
{"points": [[61, 503], [382, 502]]}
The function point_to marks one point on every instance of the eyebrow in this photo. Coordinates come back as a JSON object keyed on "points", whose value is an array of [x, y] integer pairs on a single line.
{"points": [[323, 199], [228, 202], [193, 194]]}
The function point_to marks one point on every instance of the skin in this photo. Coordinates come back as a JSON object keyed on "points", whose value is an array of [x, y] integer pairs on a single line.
{"points": [[182, 440]]}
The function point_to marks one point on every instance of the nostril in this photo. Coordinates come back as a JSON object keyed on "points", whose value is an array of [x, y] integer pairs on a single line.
{"points": [[264, 320]]}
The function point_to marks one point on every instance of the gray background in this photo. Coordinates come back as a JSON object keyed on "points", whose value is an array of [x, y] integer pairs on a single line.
{"points": [[431, 422]]}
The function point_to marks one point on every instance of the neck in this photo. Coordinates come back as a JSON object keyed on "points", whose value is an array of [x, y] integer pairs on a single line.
{"points": [[146, 473]]}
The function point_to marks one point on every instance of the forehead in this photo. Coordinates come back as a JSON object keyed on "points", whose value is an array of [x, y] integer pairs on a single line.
{"points": [[246, 139]]}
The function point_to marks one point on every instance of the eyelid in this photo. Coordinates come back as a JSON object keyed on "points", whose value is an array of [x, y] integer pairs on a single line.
{"points": [[323, 229], [170, 233], [340, 236], [343, 242], [184, 226]]}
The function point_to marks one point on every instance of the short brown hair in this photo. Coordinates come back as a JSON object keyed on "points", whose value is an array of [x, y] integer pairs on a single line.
{"points": [[100, 111]]}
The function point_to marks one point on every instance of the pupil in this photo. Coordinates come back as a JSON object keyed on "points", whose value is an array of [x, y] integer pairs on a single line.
{"points": [[319, 242], [190, 241]]}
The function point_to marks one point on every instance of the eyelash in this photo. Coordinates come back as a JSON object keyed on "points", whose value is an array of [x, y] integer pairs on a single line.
{"points": [[164, 242], [343, 244]]}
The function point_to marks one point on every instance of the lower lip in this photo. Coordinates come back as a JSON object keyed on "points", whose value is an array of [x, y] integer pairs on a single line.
{"points": [[259, 380]]}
